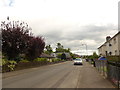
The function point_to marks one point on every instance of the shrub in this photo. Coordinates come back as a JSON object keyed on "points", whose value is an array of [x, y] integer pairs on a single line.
{"points": [[24, 61], [56, 59], [59, 55], [4, 61], [40, 59], [11, 65]]}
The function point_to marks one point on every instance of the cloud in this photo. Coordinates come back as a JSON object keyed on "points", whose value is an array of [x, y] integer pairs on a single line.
{"points": [[6, 3], [74, 36], [70, 22], [10, 3]]}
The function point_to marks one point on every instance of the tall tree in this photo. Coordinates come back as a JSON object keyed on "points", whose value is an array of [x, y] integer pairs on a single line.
{"points": [[95, 55], [48, 49], [35, 48], [15, 37], [59, 48]]}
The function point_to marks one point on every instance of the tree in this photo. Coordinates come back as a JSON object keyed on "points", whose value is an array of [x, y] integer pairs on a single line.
{"points": [[35, 48], [67, 50], [60, 48], [15, 37], [48, 49], [73, 55], [95, 55]]}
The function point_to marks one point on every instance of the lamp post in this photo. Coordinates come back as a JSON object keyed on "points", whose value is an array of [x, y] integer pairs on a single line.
{"points": [[86, 48]]}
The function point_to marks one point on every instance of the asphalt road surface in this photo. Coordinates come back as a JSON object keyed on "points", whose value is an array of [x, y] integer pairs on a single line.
{"points": [[62, 75]]}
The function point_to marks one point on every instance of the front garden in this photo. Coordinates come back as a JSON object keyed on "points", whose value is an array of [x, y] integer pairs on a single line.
{"points": [[20, 48], [11, 65]]}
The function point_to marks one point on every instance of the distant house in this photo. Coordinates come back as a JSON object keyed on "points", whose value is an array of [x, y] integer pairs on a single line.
{"points": [[111, 46], [43, 55], [49, 57], [53, 54], [68, 56]]}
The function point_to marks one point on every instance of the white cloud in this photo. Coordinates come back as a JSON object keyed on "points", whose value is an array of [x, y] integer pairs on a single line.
{"points": [[70, 22]]}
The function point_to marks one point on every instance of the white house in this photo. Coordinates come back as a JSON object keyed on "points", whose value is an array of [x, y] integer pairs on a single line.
{"points": [[111, 46]]}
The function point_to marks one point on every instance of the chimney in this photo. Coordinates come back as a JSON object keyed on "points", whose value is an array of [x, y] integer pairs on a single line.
{"points": [[108, 38]]}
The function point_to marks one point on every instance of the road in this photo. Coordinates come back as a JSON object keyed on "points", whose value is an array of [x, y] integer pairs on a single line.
{"points": [[62, 75]]}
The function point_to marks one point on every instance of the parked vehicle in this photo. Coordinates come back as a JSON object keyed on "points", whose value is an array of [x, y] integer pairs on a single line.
{"points": [[78, 61]]}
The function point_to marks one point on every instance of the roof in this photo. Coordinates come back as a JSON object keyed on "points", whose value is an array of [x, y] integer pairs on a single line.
{"points": [[43, 55], [67, 55], [110, 39]]}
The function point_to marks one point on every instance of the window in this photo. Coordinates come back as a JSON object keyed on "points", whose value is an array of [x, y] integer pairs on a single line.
{"points": [[110, 44], [110, 53]]}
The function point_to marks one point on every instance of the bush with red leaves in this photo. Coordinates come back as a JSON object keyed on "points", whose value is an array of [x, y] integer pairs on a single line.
{"points": [[35, 48], [17, 39]]}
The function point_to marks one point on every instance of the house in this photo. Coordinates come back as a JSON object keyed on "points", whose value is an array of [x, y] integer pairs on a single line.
{"points": [[49, 57], [43, 55], [68, 56], [53, 54], [111, 46]]}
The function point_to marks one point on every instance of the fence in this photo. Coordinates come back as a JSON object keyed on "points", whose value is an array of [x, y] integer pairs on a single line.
{"points": [[110, 68], [101, 66]]}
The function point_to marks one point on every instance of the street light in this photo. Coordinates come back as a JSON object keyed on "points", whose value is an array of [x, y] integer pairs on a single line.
{"points": [[86, 48]]}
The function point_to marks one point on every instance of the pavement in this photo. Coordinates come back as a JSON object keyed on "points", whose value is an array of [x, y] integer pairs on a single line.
{"points": [[62, 75]]}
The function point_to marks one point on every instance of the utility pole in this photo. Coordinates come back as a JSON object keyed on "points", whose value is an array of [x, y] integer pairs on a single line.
{"points": [[86, 48]]}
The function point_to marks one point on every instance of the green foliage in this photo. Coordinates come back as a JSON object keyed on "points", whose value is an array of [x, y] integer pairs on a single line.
{"points": [[59, 55], [49, 49], [67, 50], [94, 56], [40, 59], [24, 61], [73, 55], [11, 65], [0, 62], [60, 48], [47, 52], [4, 61], [56, 59]]}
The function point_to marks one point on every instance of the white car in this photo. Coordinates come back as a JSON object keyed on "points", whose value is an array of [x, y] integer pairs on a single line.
{"points": [[78, 61]]}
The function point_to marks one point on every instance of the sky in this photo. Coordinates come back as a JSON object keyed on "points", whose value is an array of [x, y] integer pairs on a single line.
{"points": [[76, 24]]}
